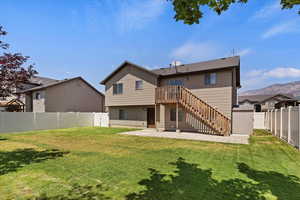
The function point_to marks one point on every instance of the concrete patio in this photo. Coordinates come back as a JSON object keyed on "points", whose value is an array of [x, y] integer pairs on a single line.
{"points": [[233, 139]]}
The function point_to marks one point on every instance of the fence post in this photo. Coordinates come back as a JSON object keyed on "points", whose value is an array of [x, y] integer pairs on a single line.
{"points": [[289, 123], [276, 123], [281, 122], [299, 127], [34, 121], [271, 121], [58, 120]]}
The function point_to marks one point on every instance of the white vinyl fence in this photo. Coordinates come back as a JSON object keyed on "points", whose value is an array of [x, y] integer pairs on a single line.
{"points": [[285, 124], [259, 120], [22, 121]]}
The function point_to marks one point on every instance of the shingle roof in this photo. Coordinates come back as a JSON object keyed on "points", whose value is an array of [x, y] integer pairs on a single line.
{"points": [[222, 63], [39, 80], [261, 98], [58, 82], [200, 66]]}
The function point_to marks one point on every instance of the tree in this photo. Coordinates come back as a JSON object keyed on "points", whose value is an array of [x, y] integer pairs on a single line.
{"points": [[12, 74], [189, 11]]}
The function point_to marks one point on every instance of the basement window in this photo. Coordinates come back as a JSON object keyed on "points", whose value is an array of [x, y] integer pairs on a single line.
{"points": [[173, 115], [122, 115]]}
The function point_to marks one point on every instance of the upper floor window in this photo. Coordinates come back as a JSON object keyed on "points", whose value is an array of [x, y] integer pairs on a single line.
{"points": [[118, 88], [38, 95], [210, 79], [139, 85], [175, 82]]}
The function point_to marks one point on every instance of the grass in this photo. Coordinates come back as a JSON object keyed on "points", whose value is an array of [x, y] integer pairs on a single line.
{"points": [[83, 163]]}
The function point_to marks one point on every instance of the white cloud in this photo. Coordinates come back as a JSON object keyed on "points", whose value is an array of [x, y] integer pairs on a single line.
{"points": [[193, 51], [287, 27], [283, 72], [244, 52], [279, 72], [259, 77], [137, 14], [267, 11]]}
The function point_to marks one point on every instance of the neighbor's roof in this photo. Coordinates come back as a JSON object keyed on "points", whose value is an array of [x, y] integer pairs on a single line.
{"points": [[262, 98], [222, 63], [39, 80], [58, 82]]}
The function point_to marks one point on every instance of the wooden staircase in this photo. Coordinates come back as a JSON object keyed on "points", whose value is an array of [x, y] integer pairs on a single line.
{"points": [[200, 109]]}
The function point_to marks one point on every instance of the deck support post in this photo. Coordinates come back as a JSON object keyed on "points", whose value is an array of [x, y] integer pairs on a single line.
{"points": [[155, 116], [177, 124]]}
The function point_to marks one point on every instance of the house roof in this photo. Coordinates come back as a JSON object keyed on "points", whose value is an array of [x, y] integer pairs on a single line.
{"points": [[262, 98], [58, 82], [39, 80], [123, 65], [222, 63]]}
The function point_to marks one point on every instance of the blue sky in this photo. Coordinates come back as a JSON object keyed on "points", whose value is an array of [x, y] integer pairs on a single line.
{"points": [[90, 38]]}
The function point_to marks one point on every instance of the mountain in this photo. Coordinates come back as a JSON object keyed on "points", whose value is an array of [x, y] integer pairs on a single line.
{"points": [[286, 88]]}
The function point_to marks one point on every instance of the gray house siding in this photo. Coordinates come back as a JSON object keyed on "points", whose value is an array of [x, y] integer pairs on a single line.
{"points": [[128, 76]]}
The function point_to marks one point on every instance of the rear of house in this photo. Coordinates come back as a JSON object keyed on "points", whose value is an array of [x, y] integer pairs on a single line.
{"points": [[69, 95], [192, 97]]}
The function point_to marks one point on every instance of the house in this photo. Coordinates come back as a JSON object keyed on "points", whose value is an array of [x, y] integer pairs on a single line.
{"points": [[261, 103], [190, 97], [31, 83], [68, 95]]}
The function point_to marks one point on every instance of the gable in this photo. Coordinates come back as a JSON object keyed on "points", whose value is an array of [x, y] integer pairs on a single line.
{"points": [[127, 64], [134, 73]]}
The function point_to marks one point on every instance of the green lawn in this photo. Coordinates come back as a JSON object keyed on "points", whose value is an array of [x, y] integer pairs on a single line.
{"points": [[49, 164]]}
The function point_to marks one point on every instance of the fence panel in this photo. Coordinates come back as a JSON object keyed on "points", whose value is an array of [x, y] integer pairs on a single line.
{"points": [[273, 121], [294, 140], [17, 122], [277, 123], [45, 121], [284, 128], [259, 120]]}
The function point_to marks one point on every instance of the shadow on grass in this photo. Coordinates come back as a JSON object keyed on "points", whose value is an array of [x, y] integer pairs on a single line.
{"points": [[13, 160], [284, 187], [2, 138], [79, 192], [189, 182]]}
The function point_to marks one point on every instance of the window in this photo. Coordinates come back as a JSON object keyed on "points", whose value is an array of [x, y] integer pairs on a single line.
{"points": [[122, 115], [38, 96], [175, 82], [118, 88], [173, 115], [138, 85], [210, 79]]}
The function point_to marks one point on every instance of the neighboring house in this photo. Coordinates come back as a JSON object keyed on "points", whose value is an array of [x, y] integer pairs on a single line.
{"points": [[16, 101], [192, 97], [69, 95], [261, 103]]}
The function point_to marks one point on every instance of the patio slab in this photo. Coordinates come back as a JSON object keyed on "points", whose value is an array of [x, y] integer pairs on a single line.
{"points": [[233, 139]]}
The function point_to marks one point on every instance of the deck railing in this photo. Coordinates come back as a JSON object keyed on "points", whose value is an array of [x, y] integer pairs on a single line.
{"points": [[206, 113]]}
